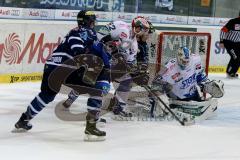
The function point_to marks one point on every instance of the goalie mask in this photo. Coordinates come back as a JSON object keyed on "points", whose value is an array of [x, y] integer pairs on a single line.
{"points": [[183, 57]]}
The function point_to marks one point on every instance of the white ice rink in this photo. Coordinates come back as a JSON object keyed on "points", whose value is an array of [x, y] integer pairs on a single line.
{"points": [[51, 138]]}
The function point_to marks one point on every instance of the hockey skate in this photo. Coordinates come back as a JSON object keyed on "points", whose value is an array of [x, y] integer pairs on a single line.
{"points": [[120, 114], [232, 76], [22, 124], [92, 133], [101, 122]]}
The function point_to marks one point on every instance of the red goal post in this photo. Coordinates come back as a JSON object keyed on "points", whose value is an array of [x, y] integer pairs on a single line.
{"points": [[169, 42]]}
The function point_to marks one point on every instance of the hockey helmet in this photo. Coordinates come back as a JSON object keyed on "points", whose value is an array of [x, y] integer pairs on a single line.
{"points": [[86, 18], [140, 25]]}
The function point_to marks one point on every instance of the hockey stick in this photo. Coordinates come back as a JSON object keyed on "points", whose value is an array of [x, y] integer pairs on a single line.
{"points": [[183, 122], [65, 114], [138, 102]]}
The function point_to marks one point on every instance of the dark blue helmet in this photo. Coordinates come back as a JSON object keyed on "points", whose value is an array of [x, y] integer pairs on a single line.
{"points": [[86, 18]]}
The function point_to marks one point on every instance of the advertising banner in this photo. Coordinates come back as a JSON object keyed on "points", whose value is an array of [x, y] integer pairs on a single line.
{"points": [[173, 19], [200, 20], [25, 49], [10, 12], [38, 14], [66, 14]]}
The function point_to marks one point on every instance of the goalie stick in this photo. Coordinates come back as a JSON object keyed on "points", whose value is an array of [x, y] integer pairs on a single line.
{"points": [[183, 122]]}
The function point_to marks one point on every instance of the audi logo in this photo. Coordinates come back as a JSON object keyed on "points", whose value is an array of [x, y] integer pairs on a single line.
{"points": [[15, 12], [43, 14], [74, 14]]}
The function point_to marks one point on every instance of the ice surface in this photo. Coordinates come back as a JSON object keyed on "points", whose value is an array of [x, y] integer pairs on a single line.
{"points": [[51, 138]]}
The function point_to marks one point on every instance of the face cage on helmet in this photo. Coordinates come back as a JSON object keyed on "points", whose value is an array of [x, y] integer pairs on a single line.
{"points": [[184, 62], [142, 30]]}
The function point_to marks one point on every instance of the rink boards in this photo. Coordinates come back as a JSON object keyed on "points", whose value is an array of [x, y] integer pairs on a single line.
{"points": [[26, 44]]}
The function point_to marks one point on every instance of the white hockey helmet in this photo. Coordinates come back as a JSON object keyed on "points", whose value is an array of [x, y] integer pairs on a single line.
{"points": [[183, 57]]}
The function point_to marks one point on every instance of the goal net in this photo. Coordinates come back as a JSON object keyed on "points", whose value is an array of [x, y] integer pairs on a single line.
{"points": [[167, 44]]}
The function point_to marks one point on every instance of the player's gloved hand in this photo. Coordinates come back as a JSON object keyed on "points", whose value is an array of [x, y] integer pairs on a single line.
{"points": [[132, 67], [140, 79], [143, 68], [118, 67]]}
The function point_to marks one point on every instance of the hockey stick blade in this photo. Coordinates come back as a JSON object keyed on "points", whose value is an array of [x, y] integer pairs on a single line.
{"points": [[65, 114]]}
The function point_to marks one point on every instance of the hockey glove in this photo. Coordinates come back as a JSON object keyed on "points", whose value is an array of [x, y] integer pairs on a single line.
{"points": [[140, 79], [143, 68], [214, 88], [161, 86]]}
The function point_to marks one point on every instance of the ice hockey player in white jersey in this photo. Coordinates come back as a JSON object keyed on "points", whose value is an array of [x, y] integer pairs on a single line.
{"points": [[136, 57], [129, 47], [184, 81]]}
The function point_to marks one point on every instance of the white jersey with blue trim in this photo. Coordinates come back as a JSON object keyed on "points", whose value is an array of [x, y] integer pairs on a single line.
{"points": [[184, 81], [130, 52]]}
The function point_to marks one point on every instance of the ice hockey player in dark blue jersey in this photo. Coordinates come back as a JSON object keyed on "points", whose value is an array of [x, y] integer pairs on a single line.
{"points": [[72, 64]]}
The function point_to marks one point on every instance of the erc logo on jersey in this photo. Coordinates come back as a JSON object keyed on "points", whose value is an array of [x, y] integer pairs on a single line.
{"points": [[188, 82]]}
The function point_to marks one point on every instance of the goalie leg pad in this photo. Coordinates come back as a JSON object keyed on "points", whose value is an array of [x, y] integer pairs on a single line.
{"points": [[198, 110]]}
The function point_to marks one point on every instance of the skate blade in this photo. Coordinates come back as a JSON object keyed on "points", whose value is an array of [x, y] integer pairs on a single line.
{"points": [[121, 118], [93, 138], [19, 130]]}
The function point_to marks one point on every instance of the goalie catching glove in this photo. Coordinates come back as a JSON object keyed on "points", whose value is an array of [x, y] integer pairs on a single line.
{"points": [[214, 88]]}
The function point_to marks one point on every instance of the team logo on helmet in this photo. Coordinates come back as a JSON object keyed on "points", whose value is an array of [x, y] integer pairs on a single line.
{"points": [[90, 13]]}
